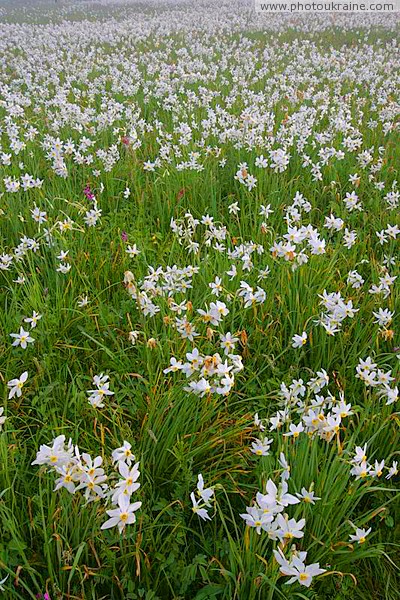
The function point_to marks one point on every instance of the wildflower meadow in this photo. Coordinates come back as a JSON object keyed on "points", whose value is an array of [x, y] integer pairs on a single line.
{"points": [[199, 261]]}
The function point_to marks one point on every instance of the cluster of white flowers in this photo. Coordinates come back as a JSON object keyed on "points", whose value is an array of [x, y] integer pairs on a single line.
{"points": [[385, 284], [319, 415], [355, 280], [22, 250], [374, 377], [160, 284], [209, 374], [64, 267], [92, 216], [187, 229], [362, 469], [337, 311], [25, 182], [386, 235], [244, 177], [80, 472], [268, 514], [251, 296], [102, 389]]}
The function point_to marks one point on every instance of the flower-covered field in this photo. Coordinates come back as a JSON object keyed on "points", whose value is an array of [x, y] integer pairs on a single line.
{"points": [[199, 260]]}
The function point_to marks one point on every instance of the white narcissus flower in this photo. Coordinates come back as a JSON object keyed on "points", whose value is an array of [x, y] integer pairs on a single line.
{"points": [[128, 484], [257, 518], [361, 470], [261, 447], [63, 255], [228, 342], [175, 365], [275, 496], [204, 493], [55, 455], [258, 423], [216, 286], [360, 535], [33, 320], [233, 208], [132, 250], [393, 470], [82, 301], [294, 430], [22, 338], [123, 515], [64, 268], [307, 496], [299, 340], [123, 454], [97, 396], [66, 479], [232, 273], [16, 385], [383, 317], [198, 509], [289, 528], [296, 569]]}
